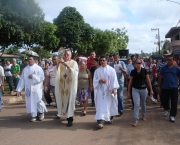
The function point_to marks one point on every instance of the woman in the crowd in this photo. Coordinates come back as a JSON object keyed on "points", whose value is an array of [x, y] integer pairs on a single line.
{"points": [[84, 85], [47, 95], [8, 75], [139, 78], [92, 70], [154, 80]]}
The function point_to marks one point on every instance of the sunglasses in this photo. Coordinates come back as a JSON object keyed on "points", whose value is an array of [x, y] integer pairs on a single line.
{"points": [[138, 63], [102, 60]]}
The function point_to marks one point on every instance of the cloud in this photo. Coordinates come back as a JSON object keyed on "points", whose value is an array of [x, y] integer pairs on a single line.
{"points": [[137, 16]]}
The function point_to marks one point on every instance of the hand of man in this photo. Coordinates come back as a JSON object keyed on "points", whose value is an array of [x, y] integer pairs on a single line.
{"points": [[159, 91], [114, 91], [45, 89], [120, 68], [102, 81], [129, 95], [30, 76], [151, 93], [18, 94], [2, 88]]}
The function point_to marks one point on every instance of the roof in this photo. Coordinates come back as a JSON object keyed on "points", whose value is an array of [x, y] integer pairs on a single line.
{"points": [[8, 55], [172, 31]]}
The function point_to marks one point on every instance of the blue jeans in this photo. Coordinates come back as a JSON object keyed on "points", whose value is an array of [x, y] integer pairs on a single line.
{"points": [[120, 97], [139, 97], [15, 81], [0, 99]]}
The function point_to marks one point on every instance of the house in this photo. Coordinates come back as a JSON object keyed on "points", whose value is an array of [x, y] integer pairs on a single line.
{"points": [[174, 46], [4, 57]]}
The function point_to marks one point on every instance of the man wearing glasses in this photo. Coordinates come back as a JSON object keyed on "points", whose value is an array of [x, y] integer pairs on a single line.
{"points": [[105, 89], [170, 74]]}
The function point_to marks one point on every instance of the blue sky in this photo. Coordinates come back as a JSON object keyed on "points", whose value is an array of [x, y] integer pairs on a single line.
{"points": [[137, 16]]}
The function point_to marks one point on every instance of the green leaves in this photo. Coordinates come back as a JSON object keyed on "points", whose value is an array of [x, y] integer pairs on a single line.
{"points": [[109, 41]]}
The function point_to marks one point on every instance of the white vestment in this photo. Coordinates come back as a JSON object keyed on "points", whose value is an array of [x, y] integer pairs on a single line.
{"points": [[33, 89], [106, 104], [66, 88]]}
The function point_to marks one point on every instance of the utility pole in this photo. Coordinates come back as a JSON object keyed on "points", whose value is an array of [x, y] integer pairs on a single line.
{"points": [[158, 37]]}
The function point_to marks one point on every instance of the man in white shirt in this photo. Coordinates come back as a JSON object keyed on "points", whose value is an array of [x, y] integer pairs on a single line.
{"points": [[50, 77], [1, 84]]}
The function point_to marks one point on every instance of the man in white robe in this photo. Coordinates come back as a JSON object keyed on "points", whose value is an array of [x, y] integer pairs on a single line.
{"points": [[66, 86], [105, 90], [32, 80]]}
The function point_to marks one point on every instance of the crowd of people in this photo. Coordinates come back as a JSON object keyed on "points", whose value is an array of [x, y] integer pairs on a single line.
{"points": [[101, 79]]}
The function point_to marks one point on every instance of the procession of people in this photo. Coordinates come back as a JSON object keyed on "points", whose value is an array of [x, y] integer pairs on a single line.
{"points": [[101, 79]]}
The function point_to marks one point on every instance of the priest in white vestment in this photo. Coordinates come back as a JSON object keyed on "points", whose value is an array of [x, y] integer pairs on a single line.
{"points": [[32, 80], [66, 86], [105, 93]]}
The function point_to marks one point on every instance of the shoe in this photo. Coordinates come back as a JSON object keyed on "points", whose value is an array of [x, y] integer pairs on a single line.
{"points": [[33, 119], [69, 124], [92, 105], [120, 113], [100, 126], [58, 116], [172, 118], [166, 112], [40, 116]]}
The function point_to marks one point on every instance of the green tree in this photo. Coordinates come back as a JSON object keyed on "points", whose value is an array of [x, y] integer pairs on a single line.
{"points": [[12, 50], [42, 53], [73, 32], [110, 41], [22, 23], [47, 38]]}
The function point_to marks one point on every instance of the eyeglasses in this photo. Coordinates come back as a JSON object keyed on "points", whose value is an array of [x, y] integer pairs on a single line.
{"points": [[66, 54], [138, 63], [170, 59], [102, 60]]}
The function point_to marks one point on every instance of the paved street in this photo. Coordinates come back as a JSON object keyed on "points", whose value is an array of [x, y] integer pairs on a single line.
{"points": [[157, 130]]}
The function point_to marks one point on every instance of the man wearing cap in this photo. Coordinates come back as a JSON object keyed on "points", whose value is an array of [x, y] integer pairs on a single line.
{"points": [[160, 64]]}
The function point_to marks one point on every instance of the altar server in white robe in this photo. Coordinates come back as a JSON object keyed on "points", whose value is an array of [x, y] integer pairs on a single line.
{"points": [[105, 88], [66, 86], [32, 80]]}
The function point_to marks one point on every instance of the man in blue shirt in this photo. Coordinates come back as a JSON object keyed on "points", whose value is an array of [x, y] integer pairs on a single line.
{"points": [[120, 77], [170, 74]]}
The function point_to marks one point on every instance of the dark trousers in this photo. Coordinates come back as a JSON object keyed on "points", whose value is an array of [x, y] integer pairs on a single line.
{"points": [[170, 94], [47, 96], [154, 88], [9, 81], [16, 81], [92, 97]]}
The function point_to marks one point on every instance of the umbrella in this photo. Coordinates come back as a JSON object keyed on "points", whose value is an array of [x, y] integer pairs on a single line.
{"points": [[83, 58], [30, 52]]}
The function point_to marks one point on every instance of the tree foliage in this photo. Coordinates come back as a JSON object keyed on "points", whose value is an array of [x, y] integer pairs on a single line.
{"points": [[73, 32], [22, 23], [42, 53], [110, 41]]}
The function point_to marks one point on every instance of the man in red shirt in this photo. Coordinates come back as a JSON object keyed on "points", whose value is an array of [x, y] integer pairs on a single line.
{"points": [[89, 61]]}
